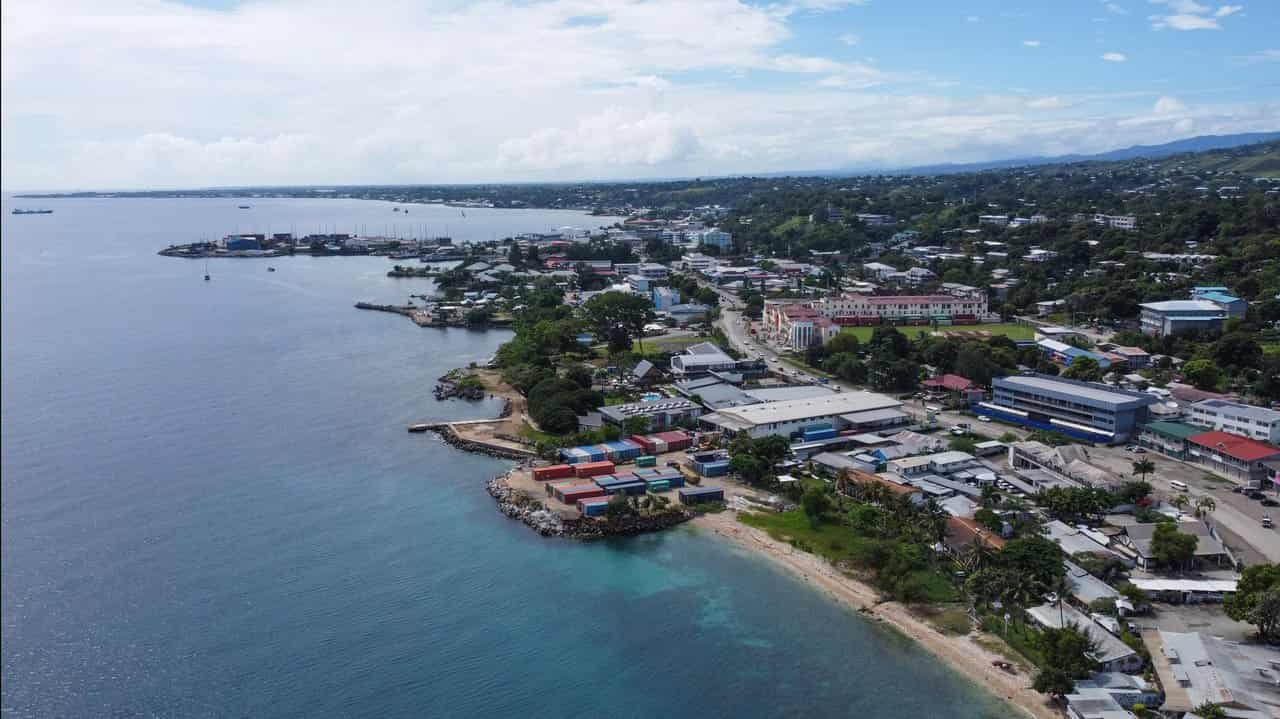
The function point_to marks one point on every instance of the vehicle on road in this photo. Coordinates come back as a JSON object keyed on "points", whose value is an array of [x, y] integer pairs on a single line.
{"points": [[1255, 494], [1179, 486], [984, 418], [1269, 502], [1266, 521]]}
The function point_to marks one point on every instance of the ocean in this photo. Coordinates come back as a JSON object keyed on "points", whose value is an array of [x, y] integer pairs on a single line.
{"points": [[211, 508]]}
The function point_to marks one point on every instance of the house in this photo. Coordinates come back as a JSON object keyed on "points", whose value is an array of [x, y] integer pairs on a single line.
{"points": [[1048, 307], [1209, 549], [645, 374], [957, 388], [1112, 655], [699, 359], [684, 314], [1060, 334]]}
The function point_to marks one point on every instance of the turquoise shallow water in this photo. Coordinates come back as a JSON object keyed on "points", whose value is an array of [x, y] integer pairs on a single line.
{"points": [[211, 508]]}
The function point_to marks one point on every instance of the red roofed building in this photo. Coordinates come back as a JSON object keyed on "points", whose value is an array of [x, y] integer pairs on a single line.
{"points": [[949, 382], [958, 389], [1231, 455], [797, 325], [848, 308]]}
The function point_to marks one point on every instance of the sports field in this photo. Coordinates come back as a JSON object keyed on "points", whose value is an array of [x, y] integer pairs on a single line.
{"points": [[1008, 329]]}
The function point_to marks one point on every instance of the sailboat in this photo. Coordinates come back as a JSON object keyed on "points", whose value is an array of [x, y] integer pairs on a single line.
{"points": [[206, 270]]}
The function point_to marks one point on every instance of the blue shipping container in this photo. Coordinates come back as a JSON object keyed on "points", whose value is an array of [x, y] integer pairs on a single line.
{"points": [[595, 509], [629, 489]]}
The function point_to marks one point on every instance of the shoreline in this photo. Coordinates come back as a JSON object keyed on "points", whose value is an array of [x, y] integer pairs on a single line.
{"points": [[960, 653]]}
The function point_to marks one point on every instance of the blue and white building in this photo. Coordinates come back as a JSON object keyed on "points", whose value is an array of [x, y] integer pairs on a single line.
{"points": [[1175, 316], [1228, 303], [1085, 410]]}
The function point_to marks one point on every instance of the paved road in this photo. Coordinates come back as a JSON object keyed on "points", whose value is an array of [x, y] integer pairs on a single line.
{"points": [[1237, 517]]}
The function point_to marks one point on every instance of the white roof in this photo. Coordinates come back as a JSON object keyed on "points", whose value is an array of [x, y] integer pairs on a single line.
{"points": [[1182, 306], [813, 407], [1158, 584], [1110, 648]]}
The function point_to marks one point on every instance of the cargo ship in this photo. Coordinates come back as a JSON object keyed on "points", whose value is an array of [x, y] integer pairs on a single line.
{"points": [[20, 211]]}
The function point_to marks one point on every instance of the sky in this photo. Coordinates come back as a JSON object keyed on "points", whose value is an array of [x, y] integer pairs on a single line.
{"points": [[119, 94]]}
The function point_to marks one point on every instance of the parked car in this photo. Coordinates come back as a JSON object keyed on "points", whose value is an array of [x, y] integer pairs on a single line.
{"points": [[1269, 502], [1255, 494], [984, 418]]}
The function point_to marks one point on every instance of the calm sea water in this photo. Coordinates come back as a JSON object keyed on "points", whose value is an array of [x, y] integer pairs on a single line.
{"points": [[211, 508]]}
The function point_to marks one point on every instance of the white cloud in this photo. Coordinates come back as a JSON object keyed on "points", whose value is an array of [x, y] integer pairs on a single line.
{"points": [[1270, 55], [850, 39], [393, 92], [1031, 43], [1167, 105], [973, 18], [1115, 9], [1114, 56], [1191, 15]]}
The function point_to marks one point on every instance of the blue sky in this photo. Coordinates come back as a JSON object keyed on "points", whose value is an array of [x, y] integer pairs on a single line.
{"points": [[145, 93]]}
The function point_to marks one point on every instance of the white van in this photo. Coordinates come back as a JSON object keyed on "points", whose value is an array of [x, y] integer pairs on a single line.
{"points": [[1180, 486]]}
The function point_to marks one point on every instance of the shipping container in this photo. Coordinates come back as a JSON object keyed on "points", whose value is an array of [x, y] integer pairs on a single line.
{"points": [[594, 507], [573, 455], [628, 488], [645, 443], [646, 460], [592, 469], [694, 495], [811, 435], [675, 439], [647, 473], [658, 485], [674, 479], [555, 471], [571, 495]]}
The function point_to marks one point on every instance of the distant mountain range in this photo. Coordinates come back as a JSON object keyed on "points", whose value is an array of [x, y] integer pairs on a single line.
{"points": [[1200, 143]]}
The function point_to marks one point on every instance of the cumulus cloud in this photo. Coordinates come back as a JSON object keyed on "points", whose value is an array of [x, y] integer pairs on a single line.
{"points": [[1031, 43], [391, 91], [850, 39], [1191, 15], [1114, 56], [1166, 105], [1115, 9]]}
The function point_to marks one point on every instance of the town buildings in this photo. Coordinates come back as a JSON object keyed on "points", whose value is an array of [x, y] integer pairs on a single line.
{"points": [[1197, 669], [1246, 420], [1175, 316], [1231, 456], [1086, 410], [858, 410]]}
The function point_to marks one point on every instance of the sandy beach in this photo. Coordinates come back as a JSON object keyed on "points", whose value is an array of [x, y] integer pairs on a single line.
{"points": [[961, 652]]}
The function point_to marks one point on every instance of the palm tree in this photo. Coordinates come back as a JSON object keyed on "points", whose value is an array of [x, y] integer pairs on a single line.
{"points": [[1061, 588], [1205, 506], [1143, 467], [1180, 501]]}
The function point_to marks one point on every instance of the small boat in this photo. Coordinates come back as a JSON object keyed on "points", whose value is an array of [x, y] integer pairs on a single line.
{"points": [[20, 211], [245, 207], [206, 270], [423, 427], [271, 269]]}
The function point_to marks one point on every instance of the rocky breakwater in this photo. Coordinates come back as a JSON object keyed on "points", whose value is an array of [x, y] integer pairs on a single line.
{"points": [[459, 384], [548, 523], [451, 437]]}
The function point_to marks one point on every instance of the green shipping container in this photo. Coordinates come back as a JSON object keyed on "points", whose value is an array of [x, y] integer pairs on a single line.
{"points": [[646, 461], [658, 485]]}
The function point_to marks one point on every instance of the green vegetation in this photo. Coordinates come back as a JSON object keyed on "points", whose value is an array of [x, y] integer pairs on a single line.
{"points": [[1257, 600], [1007, 329]]}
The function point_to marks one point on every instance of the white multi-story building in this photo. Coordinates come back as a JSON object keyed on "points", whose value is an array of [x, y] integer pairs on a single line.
{"points": [[997, 220], [1119, 222], [716, 237], [697, 262], [1245, 420], [849, 306]]}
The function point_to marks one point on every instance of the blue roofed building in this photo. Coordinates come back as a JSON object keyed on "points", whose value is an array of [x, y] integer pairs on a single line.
{"points": [[1230, 304], [1085, 410], [1064, 354], [1175, 316]]}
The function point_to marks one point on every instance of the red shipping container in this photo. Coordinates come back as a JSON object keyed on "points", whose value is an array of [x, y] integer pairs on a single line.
{"points": [[571, 495], [555, 471], [645, 442], [592, 469], [675, 440]]}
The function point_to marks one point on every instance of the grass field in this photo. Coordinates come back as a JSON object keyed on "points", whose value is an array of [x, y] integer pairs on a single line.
{"points": [[1272, 348], [667, 344], [1008, 329]]}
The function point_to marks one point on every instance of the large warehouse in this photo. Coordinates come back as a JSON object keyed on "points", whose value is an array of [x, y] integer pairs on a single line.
{"points": [[844, 410], [1086, 410]]}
